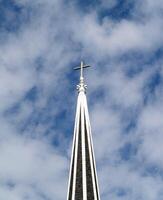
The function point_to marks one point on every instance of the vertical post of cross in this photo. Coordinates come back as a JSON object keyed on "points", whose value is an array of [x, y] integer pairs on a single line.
{"points": [[81, 69]]}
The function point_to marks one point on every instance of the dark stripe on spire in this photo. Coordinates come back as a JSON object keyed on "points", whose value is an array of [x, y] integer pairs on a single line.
{"points": [[90, 194], [79, 183]]}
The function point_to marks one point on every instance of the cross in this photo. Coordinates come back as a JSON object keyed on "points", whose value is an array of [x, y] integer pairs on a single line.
{"points": [[81, 67]]}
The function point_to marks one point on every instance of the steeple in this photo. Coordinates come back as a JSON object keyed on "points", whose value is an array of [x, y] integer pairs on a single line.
{"points": [[83, 184]]}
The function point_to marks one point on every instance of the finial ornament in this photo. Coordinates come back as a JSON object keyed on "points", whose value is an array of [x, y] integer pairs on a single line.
{"points": [[81, 87]]}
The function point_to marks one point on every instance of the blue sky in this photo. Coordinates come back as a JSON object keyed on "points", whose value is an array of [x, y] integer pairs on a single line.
{"points": [[40, 43]]}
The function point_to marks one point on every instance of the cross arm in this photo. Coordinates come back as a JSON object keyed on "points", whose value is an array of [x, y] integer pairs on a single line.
{"points": [[85, 66]]}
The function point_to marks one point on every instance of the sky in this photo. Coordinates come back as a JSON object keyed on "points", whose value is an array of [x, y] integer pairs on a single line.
{"points": [[40, 43]]}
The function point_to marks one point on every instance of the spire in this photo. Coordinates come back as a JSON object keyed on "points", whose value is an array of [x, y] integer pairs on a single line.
{"points": [[83, 183]]}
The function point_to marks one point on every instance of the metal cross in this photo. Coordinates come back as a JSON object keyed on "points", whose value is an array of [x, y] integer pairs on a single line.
{"points": [[81, 86], [82, 66]]}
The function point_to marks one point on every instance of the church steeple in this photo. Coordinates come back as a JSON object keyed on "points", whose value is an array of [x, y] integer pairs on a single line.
{"points": [[83, 184]]}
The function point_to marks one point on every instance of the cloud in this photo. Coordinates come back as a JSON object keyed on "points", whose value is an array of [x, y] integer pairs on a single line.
{"points": [[29, 167]]}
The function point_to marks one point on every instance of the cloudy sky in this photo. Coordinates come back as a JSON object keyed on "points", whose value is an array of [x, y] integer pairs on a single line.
{"points": [[40, 43]]}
